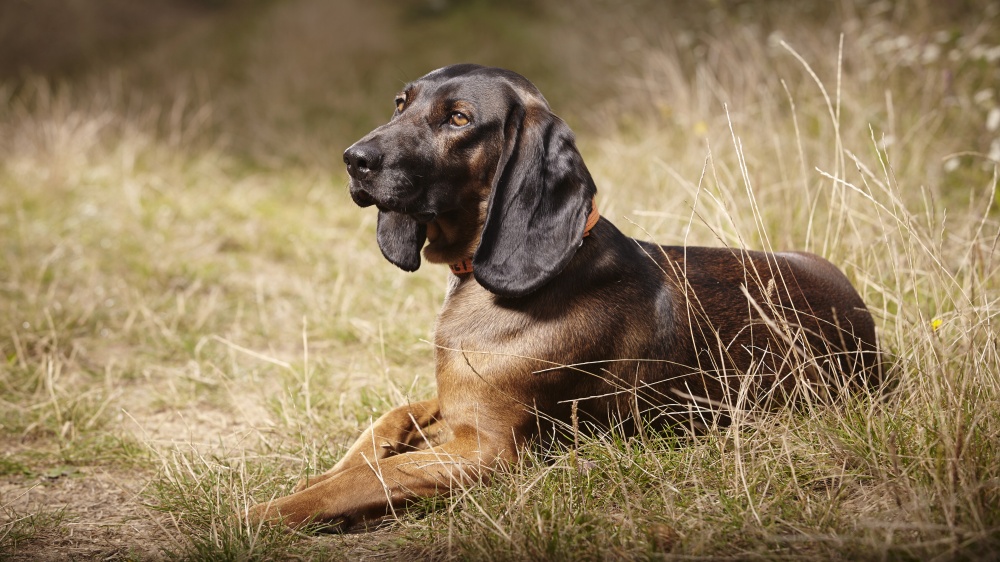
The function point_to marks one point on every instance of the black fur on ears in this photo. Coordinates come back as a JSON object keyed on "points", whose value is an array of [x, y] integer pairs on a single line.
{"points": [[401, 238], [542, 193]]}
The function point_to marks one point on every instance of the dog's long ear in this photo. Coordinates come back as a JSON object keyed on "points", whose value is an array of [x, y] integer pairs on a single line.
{"points": [[538, 208], [401, 238]]}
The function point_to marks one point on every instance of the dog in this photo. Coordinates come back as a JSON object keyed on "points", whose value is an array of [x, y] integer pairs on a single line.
{"points": [[552, 315]]}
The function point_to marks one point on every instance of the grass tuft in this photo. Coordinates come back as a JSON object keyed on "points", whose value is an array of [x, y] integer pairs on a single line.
{"points": [[193, 315]]}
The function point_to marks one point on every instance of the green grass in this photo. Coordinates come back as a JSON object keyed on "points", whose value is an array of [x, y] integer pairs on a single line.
{"points": [[19, 528], [192, 309]]}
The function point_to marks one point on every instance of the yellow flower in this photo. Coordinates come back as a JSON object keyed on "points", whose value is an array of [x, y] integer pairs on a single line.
{"points": [[936, 323]]}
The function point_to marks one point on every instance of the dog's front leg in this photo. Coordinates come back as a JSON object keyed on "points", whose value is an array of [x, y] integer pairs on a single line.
{"points": [[359, 495], [402, 429]]}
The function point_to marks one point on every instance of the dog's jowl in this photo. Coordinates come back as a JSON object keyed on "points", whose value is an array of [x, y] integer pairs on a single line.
{"points": [[550, 305]]}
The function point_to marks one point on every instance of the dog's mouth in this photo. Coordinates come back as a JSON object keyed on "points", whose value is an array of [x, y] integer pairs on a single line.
{"points": [[410, 208], [361, 197], [409, 204], [422, 217]]}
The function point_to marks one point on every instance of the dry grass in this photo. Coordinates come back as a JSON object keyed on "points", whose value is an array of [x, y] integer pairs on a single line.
{"points": [[193, 314]]}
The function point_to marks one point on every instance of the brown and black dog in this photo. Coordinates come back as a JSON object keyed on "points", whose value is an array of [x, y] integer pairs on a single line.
{"points": [[551, 308]]}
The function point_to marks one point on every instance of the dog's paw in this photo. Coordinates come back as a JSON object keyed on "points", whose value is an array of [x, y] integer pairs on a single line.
{"points": [[280, 512], [266, 513]]}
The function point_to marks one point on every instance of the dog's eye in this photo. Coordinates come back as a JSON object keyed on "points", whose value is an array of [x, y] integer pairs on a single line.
{"points": [[400, 102], [459, 119]]}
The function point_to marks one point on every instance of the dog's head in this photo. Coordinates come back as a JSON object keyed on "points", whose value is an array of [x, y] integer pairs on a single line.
{"points": [[475, 164]]}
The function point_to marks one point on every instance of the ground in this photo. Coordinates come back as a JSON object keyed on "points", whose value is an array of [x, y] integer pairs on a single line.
{"points": [[193, 314]]}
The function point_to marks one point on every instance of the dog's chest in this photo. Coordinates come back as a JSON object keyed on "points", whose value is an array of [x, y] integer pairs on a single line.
{"points": [[474, 318]]}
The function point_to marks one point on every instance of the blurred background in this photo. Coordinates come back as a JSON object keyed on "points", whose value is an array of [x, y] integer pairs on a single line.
{"points": [[193, 312], [300, 79]]}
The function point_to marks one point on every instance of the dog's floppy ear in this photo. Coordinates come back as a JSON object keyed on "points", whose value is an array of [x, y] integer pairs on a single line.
{"points": [[538, 208], [401, 238]]}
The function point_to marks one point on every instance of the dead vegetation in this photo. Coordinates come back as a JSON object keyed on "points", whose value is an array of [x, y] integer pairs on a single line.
{"points": [[193, 314]]}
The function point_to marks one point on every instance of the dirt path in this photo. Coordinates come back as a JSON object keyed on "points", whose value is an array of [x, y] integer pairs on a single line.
{"points": [[102, 515]]}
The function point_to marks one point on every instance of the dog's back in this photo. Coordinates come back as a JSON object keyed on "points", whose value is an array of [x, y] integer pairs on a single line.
{"points": [[775, 320]]}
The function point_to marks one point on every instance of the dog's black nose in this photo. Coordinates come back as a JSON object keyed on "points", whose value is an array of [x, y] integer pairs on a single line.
{"points": [[363, 160]]}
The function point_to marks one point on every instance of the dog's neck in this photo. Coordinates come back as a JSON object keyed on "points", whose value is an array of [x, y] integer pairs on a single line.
{"points": [[465, 266]]}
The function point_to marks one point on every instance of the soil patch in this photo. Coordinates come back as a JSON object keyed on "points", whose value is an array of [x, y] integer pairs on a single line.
{"points": [[102, 515]]}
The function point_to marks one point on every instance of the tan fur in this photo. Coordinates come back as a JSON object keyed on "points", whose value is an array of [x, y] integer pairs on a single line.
{"points": [[628, 334]]}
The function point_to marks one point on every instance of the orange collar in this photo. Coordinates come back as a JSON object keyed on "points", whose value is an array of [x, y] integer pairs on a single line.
{"points": [[465, 266]]}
